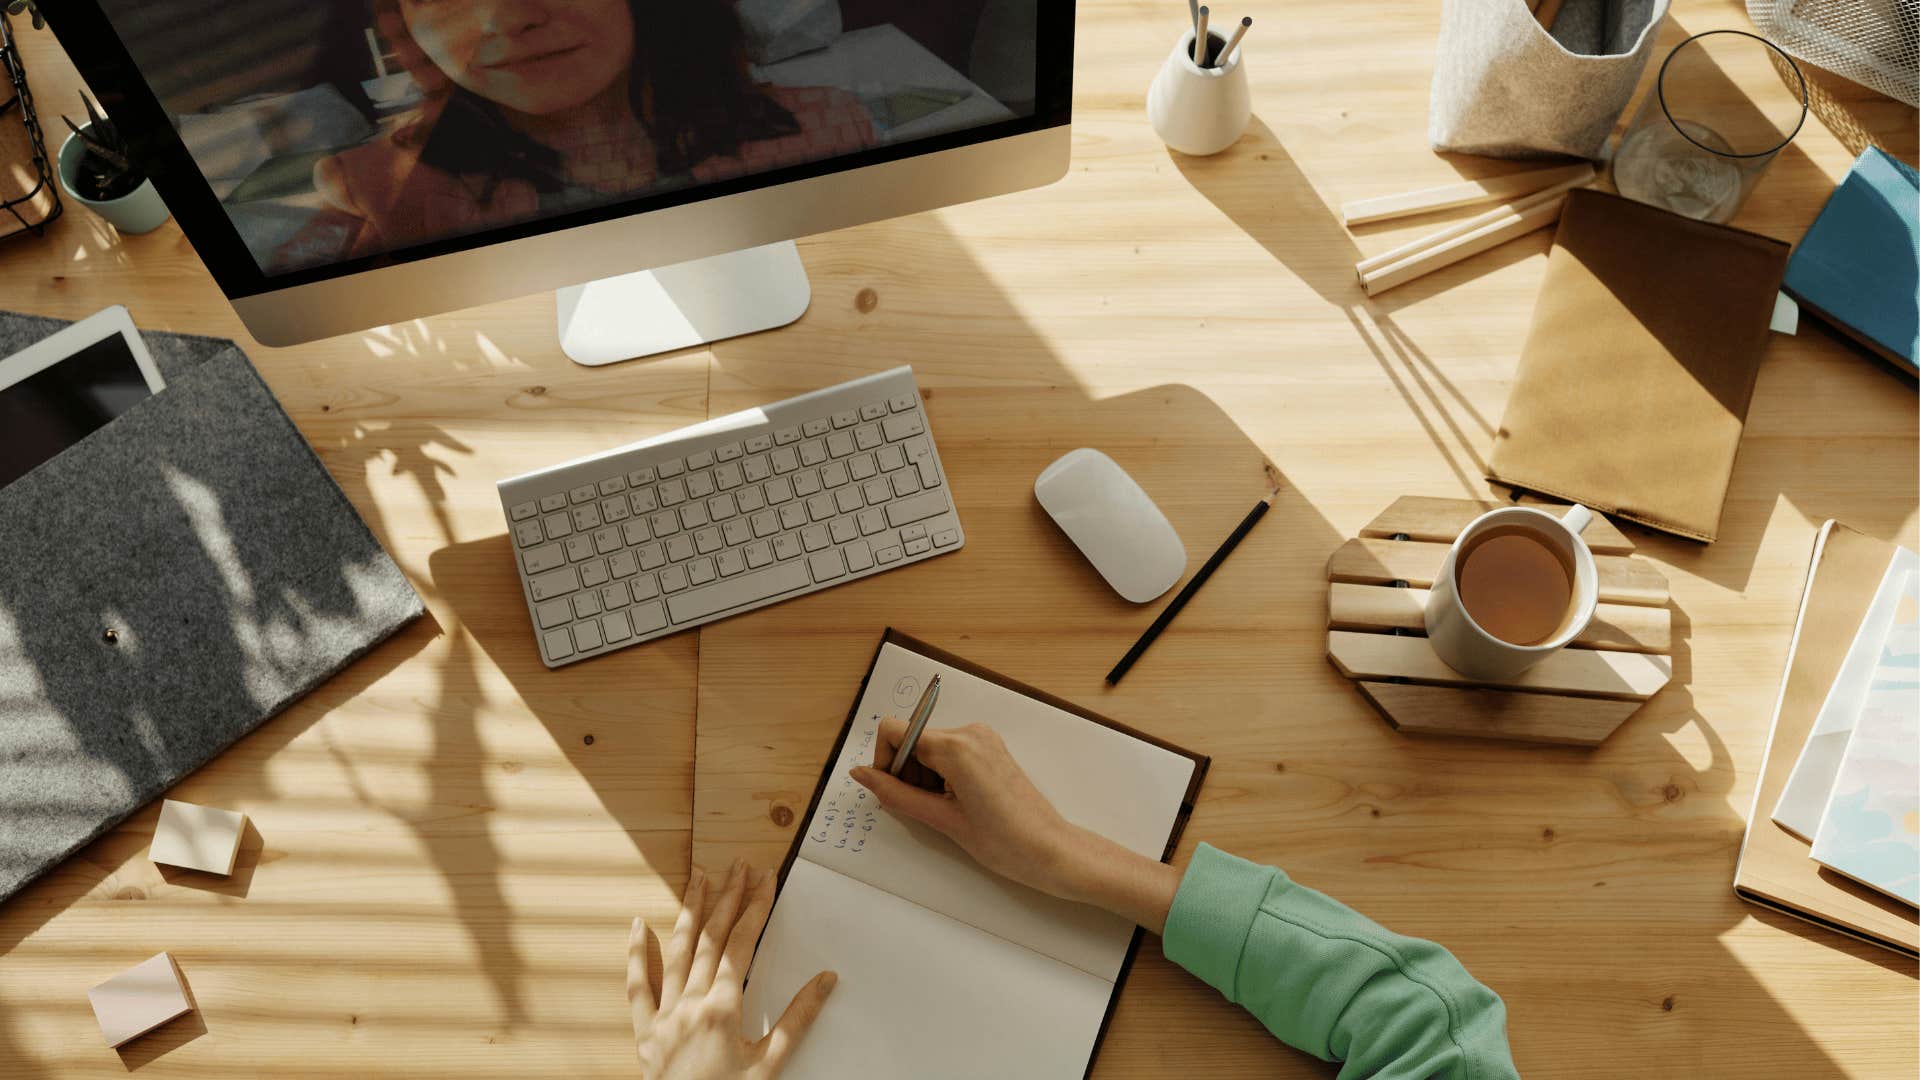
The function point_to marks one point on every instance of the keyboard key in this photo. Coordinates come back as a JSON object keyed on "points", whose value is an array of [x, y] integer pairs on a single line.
{"points": [[806, 483], [643, 502], [635, 532], [523, 511], [820, 507], [700, 486], [872, 521], [614, 597], [586, 517], [579, 546], [834, 474], [558, 525], [721, 507], [946, 538], [587, 635], [765, 523], [694, 515], [736, 531], [756, 469], [670, 468], [784, 460], [652, 557], [785, 546], [586, 603], [707, 540], [867, 436], [727, 477], [614, 627], [750, 499], [812, 452], [886, 555], [839, 444], [905, 482], [861, 466], [584, 493], [917, 547], [916, 508], [729, 452], [929, 476], [673, 579], [640, 476], [528, 533], [845, 419], [543, 558], [843, 529], [554, 583], [550, 503], [876, 491], [759, 554], [859, 555], [664, 524], [848, 499], [594, 574], [779, 490], [613, 485], [759, 444], [648, 617], [623, 565], [901, 402], [730, 563], [672, 493], [792, 516], [553, 613], [558, 644], [814, 427], [826, 565], [917, 448], [644, 587], [700, 572], [700, 460], [891, 458], [913, 532], [736, 591], [899, 427], [785, 436], [680, 548], [606, 538], [613, 511], [813, 538], [872, 411]]}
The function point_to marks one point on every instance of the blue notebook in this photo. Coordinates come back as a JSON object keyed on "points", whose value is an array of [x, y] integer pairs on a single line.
{"points": [[1858, 267]]}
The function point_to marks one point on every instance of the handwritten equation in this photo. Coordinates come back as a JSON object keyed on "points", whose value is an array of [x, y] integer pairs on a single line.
{"points": [[848, 811]]}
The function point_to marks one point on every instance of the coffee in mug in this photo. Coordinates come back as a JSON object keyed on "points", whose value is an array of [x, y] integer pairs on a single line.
{"points": [[1516, 584]]}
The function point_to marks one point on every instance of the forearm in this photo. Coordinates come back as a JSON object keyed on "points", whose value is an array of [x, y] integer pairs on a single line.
{"points": [[1099, 872]]}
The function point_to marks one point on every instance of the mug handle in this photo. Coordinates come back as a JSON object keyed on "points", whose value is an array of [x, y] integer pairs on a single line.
{"points": [[1576, 519]]}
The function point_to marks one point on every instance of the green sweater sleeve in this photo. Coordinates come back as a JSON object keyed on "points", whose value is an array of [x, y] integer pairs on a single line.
{"points": [[1330, 981]]}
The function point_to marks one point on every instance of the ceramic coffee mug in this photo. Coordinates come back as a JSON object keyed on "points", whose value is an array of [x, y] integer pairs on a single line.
{"points": [[1463, 643]]}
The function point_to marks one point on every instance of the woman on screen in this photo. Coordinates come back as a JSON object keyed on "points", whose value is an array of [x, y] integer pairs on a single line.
{"points": [[537, 107]]}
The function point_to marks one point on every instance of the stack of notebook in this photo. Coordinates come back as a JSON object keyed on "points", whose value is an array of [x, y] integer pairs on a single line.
{"points": [[1834, 837]]}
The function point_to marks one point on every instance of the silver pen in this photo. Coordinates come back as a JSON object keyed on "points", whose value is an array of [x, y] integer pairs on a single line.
{"points": [[922, 713]]}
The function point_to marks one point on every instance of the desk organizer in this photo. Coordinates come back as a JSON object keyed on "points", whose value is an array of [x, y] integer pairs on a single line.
{"points": [[1376, 636]]}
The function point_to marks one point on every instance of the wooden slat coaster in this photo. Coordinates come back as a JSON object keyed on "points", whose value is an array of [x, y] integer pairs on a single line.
{"points": [[1376, 602]]}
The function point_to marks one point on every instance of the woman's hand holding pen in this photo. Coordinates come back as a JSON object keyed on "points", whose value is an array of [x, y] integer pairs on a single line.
{"points": [[962, 783]]}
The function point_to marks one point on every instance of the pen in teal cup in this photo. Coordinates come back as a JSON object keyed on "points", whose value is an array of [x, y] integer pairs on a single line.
{"points": [[922, 713]]}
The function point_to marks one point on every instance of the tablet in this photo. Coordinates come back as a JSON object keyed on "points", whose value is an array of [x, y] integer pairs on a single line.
{"points": [[54, 393]]}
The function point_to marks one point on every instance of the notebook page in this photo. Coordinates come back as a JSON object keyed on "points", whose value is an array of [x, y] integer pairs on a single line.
{"points": [[920, 995], [1105, 780]]}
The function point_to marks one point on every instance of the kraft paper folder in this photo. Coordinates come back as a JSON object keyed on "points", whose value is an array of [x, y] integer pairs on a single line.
{"points": [[200, 528], [947, 970], [1775, 868]]}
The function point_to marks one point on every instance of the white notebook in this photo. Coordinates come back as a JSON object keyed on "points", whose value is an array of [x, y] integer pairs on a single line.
{"points": [[945, 969]]}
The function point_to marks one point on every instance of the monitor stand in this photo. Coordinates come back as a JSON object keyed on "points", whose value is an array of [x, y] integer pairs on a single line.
{"points": [[683, 305]]}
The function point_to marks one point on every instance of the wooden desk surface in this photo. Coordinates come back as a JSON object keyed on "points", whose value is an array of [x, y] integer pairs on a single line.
{"points": [[450, 839]]}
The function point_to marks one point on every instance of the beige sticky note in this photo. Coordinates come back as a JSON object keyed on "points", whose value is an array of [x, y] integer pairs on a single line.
{"points": [[139, 999], [197, 837]]}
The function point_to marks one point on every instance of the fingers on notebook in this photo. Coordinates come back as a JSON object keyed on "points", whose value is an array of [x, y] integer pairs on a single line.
{"points": [[713, 935], [899, 797], [679, 955], [746, 932], [779, 1044]]}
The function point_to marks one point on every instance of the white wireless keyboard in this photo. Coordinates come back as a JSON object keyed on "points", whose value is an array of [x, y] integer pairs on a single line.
{"points": [[727, 516]]}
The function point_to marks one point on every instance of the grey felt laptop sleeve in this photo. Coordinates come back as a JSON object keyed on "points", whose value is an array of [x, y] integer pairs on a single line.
{"points": [[202, 531]]}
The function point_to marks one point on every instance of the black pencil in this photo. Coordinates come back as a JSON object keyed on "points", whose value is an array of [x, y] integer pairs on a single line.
{"points": [[1206, 570]]}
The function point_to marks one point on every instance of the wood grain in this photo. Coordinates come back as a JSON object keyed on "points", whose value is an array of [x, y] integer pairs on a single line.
{"points": [[1589, 672], [1503, 188], [1543, 718], [1364, 561], [444, 868], [1378, 608]]}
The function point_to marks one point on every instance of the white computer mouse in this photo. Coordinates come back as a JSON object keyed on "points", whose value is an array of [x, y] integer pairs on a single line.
{"points": [[1113, 522]]}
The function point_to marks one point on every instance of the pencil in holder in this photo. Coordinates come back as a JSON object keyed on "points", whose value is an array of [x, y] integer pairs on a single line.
{"points": [[1200, 110]]}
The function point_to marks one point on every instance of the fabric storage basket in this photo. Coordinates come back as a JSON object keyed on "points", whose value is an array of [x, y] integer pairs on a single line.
{"points": [[1503, 86]]}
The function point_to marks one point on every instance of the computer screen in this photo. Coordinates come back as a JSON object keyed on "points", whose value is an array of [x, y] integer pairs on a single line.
{"points": [[348, 134]]}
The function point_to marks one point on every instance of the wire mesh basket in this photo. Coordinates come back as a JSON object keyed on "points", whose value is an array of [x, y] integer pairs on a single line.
{"points": [[28, 196], [1876, 43]]}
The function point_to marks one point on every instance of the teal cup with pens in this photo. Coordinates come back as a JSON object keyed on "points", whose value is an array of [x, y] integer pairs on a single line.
{"points": [[1199, 104]]}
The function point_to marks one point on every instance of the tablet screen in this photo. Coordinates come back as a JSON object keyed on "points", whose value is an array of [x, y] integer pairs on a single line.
{"points": [[52, 409]]}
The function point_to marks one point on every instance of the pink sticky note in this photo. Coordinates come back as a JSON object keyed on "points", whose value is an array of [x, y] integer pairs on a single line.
{"points": [[139, 999]]}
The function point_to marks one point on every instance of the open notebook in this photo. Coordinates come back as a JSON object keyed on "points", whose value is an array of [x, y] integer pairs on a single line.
{"points": [[945, 969]]}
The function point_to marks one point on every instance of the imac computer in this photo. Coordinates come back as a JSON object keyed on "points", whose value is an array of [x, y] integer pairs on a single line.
{"points": [[341, 164]]}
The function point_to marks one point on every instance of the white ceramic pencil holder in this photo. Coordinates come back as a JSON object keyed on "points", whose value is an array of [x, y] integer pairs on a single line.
{"points": [[1198, 110]]}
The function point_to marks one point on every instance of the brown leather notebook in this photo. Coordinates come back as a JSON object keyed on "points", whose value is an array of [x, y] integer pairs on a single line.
{"points": [[1635, 377], [1775, 869]]}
